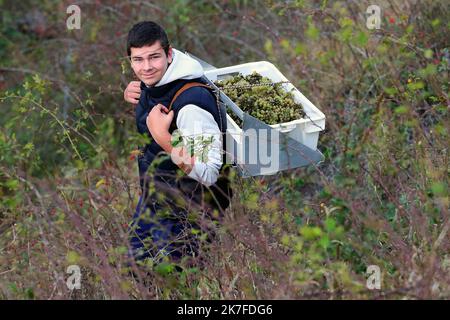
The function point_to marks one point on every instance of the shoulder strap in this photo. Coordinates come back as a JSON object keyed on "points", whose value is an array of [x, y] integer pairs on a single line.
{"points": [[184, 88], [199, 84]]}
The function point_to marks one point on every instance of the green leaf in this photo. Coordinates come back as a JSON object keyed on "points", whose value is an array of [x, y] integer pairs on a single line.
{"points": [[439, 189], [12, 184], [440, 129], [121, 250], [429, 70], [165, 268], [29, 293], [312, 32], [346, 22], [324, 242], [391, 90], [330, 224], [72, 257], [361, 39], [13, 287], [268, 47], [300, 49], [252, 201], [415, 85], [285, 45], [436, 22], [428, 53], [310, 233], [401, 109], [345, 34]]}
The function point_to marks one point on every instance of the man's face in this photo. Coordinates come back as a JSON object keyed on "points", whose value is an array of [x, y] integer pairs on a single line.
{"points": [[149, 63]]}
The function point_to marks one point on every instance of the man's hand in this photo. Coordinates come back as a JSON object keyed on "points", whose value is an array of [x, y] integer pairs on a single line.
{"points": [[180, 156], [158, 123], [132, 92]]}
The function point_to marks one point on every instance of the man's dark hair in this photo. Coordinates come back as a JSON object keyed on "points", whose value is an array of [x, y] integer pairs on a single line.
{"points": [[146, 33]]}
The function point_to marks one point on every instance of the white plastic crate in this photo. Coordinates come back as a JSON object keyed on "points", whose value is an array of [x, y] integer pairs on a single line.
{"points": [[305, 130]]}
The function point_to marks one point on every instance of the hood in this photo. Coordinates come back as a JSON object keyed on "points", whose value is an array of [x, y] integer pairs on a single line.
{"points": [[182, 67]]}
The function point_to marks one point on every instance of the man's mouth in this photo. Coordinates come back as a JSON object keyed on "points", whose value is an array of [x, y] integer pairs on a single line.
{"points": [[148, 75]]}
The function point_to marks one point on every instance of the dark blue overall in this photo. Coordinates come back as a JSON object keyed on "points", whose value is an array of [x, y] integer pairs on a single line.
{"points": [[160, 224]]}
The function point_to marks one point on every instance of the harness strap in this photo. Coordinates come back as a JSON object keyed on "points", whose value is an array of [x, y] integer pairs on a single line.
{"points": [[184, 88]]}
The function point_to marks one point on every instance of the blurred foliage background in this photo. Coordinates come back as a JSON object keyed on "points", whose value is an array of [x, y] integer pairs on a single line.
{"points": [[68, 174]]}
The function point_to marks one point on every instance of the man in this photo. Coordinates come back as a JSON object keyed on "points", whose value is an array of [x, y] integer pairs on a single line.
{"points": [[160, 222]]}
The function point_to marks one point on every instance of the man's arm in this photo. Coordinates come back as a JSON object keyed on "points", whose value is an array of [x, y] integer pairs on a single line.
{"points": [[158, 123], [198, 127], [194, 124]]}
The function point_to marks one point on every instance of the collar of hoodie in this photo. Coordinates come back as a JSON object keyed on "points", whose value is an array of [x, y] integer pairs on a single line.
{"points": [[182, 67]]}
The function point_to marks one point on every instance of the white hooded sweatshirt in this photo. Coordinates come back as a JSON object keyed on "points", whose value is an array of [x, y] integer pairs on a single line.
{"points": [[193, 121]]}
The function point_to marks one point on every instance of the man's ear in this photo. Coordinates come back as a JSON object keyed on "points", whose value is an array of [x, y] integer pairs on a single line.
{"points": [[170, 55]]}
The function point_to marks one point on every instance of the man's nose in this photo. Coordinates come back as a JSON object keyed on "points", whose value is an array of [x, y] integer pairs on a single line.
{"points": [[147, 64]]}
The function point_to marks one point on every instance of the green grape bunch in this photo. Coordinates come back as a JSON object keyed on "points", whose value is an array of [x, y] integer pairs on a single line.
{"points": [[269, 103]]}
